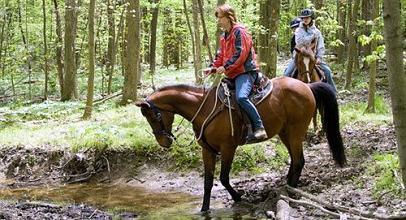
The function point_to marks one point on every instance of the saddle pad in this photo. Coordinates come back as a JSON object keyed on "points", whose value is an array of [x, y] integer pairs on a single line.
{"points": [[255, 97]]}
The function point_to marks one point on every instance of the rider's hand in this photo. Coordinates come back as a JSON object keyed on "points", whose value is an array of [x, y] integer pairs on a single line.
{"points": [[318, 61], [208, 71], [220, 69]]}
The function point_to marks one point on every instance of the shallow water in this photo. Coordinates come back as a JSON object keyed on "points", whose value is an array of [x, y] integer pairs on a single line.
{"points": [[118, 199]]}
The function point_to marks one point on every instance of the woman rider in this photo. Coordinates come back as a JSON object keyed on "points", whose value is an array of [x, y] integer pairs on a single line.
{"points": [[304, 35], [236, 59]]}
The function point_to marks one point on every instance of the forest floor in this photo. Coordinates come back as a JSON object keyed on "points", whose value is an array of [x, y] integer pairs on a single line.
{"points": [[352, 186]]}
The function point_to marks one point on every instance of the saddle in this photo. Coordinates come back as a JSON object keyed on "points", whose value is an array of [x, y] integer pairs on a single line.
{"points": [[261, 89]]}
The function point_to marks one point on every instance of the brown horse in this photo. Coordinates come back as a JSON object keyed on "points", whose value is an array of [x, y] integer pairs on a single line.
{"points": [[287, 111], [305, 60], [307, 70]]}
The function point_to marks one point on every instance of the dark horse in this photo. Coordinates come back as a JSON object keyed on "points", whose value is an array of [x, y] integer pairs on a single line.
{"points": [[307, 70], [287, 111]]}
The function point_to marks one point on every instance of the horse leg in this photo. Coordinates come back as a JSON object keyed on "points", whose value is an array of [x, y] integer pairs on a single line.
{"points": [[295, 148], [209, 160], [226, 162]]}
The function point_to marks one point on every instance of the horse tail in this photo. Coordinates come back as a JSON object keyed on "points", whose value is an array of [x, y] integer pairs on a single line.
{"points": [[327, 101]]}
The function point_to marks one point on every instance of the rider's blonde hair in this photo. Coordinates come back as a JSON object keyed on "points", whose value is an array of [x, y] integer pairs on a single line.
{"points": [[228, 11]]}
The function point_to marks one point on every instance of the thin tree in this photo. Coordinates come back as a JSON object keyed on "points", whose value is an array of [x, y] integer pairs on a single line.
{"points": [[25, 42], [45, 49], [206, 39], [275, 6], [341, 18], [69, 86], [59, 42], [110, 62], [397, 76], [198, 50], [153, 31], [132, 55], [91, 47], [352, 44], [264, 36], [373, 63]]}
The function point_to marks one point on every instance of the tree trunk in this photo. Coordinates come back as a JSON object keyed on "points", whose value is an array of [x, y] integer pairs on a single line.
{"points": [[152, 47], [110, 62], [45, 50], [341, 17], [69, 86], [59, 42], [198, 50], [205, 35], [25, 42], [373, 65], [366, 14], [352, 45], [132, 54], [91, 46], [397, 78], [264, 36], [275, 6]]}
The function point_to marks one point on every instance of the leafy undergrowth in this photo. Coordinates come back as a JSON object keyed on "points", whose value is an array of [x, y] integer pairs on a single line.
{"points": [[369, 139]]}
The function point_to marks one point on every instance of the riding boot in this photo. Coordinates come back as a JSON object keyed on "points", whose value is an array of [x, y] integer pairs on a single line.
{"points": [[259, 135]]}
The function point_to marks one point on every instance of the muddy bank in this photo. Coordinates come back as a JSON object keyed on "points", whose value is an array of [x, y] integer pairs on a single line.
{"points": [[38, 210], [350, 186]]}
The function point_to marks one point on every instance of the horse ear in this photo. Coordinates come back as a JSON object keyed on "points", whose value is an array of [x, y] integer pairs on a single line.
{"points": [[297, 50], [142, 104]]}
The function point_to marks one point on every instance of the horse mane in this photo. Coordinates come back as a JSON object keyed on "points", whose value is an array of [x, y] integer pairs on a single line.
{"points": [[184, 87]]}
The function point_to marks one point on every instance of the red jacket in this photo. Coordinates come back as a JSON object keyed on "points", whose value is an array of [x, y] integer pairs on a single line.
{"points": [[236, 52]]}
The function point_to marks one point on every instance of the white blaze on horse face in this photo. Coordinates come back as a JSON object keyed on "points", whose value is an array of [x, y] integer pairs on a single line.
{"points": [[306, 61]]}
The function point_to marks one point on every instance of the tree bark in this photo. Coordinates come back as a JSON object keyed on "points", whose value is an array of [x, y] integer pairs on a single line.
{"points": [[264, 36], [397, 77], [373, 65], [110, 62], [25, 42], [352, 45], [91, 46], [69, 86], [205, 35], [45, 49], [341, 17], [198, 50], [275, 6], [152, 47], [132, 55], [58, 52]]}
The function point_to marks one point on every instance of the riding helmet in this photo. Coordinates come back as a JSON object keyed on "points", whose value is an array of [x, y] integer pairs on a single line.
{"points": [[295, 22], [307, 13]]}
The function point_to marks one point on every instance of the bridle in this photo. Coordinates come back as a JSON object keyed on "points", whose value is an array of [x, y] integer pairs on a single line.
{"points": [[158, 116]]}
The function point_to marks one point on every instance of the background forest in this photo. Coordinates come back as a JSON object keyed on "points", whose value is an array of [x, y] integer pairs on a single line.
{"points": [[62, 61]]}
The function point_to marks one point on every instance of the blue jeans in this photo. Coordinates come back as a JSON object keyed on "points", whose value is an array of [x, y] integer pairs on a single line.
{"points": [[243, 87], [327, 72], [323, 66], [290, 68]]}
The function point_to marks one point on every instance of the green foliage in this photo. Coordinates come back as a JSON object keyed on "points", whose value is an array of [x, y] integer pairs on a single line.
{"points": [[185, 151], [355, 112], [248, 158], [281, 157], [385, 170]]}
